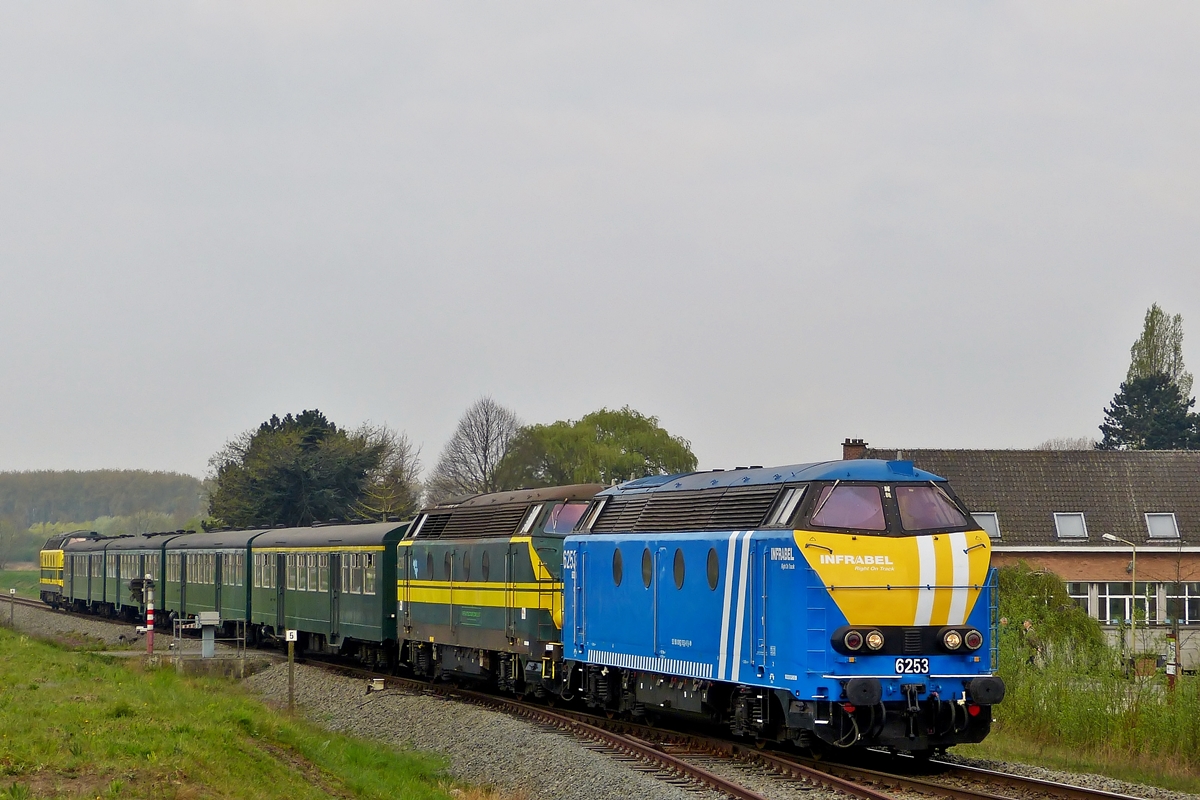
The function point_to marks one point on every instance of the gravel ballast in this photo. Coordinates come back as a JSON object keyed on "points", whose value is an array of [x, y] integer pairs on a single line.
{"points": [[484, 747]]}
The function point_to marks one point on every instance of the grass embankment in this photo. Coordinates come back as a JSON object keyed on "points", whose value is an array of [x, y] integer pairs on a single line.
{"points": [[25, 581], [80, 725], [1070, 703]]}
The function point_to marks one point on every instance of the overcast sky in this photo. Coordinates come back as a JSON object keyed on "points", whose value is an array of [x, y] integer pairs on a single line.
{"points": [[773, 226]]}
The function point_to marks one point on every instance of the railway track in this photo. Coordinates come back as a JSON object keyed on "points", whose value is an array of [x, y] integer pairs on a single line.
{"points": [[685, 755], [686, 758]]}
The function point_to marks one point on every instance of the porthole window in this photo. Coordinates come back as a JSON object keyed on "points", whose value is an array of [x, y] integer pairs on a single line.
{"points": [[714, 568], [678, 567], [647, 567], [486, 566], [618, 567], [429, 566], [466, 576], [448, 565]]}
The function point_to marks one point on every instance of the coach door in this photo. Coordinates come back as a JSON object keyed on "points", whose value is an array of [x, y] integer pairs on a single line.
{"points": [[280, 592], [335, 597]]}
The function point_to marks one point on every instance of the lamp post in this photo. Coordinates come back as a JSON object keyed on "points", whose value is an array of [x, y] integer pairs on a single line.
{"points": [[1133, 574]]}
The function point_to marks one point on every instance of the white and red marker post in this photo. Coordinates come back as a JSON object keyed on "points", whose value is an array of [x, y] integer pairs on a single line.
{"points": [[149, 616]]}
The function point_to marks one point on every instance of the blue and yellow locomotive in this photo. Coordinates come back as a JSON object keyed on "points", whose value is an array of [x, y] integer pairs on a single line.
{"points": [[845, 603]]}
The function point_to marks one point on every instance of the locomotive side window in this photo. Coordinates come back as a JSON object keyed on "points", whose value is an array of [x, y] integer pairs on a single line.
{"points": [[678, 568], [924, 507], [785, 507], [486, 566], [530, 517], [714, 568], [647, 567], [618, 567], [857, 507], [466, 565], [448, 566], [429, 566]]}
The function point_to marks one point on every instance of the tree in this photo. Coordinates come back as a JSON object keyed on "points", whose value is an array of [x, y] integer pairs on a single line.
{"points": [[601, 447], [1068, 443], [10, 536], [292, 471], [1159, 350], [393, 489], [1150, 413], [469, 460]]}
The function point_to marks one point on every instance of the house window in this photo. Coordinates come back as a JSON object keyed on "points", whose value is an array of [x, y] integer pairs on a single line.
{"points": [[1162, 526], [1118, 600], [1079, 593], [1070, 526], [989, 521], [1183, 603]]}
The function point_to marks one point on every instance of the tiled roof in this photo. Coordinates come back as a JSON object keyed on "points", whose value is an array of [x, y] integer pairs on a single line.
{"points": [[1113, 489]]}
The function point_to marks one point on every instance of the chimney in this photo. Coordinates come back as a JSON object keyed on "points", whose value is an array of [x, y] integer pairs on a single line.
{"points": [[853, 449]]}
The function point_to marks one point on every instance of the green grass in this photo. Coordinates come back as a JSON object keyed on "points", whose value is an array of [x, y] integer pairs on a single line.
{"points": [[25, 581], [76, 725]]}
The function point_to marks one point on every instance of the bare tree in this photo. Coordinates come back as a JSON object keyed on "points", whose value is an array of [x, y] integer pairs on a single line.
{"points": [[393, 488], [469, 460], [1068, 443]]}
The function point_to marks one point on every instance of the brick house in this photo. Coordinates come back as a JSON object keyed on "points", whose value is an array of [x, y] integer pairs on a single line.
{"points": [[1053, 509]]}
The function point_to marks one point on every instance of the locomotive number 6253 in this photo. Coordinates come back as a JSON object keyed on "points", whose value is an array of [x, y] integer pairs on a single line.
{"points": [[912, 666]]}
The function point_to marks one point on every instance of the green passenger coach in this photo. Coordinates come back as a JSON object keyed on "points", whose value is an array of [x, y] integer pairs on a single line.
{"points": [[335, 584]]}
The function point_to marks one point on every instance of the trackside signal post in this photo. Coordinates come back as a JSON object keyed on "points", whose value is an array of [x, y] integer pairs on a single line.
{"points": [[291, 640]]}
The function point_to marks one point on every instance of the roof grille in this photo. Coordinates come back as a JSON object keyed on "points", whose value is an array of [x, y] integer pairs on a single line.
{"points": [[473, 523], [704, 509]]}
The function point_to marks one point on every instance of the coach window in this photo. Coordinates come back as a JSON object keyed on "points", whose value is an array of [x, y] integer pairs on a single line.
{"points": [[345, 572], [853, 507], [486, 566], [356, 574], [291, 571], [678, 568], [312, 572], [301, 574], [714, 568], [323, 572], [368, 573], [647, 567]]}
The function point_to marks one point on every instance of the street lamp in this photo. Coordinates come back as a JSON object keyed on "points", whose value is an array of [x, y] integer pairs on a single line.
{"points": [[1133, 572]]}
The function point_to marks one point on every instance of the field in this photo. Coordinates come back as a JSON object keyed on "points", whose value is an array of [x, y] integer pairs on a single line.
{"points": [[80, 725], [25, 581]]}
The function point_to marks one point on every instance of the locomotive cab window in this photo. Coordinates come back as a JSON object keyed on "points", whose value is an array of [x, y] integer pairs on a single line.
{"points": [[563, 517], [530, 517], [855, 507], [926, 507]]}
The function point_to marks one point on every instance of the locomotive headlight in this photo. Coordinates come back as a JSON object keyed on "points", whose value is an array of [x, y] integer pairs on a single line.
{"points": [[952, 640], [875, 640], [973, 639], [853, 640]]}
